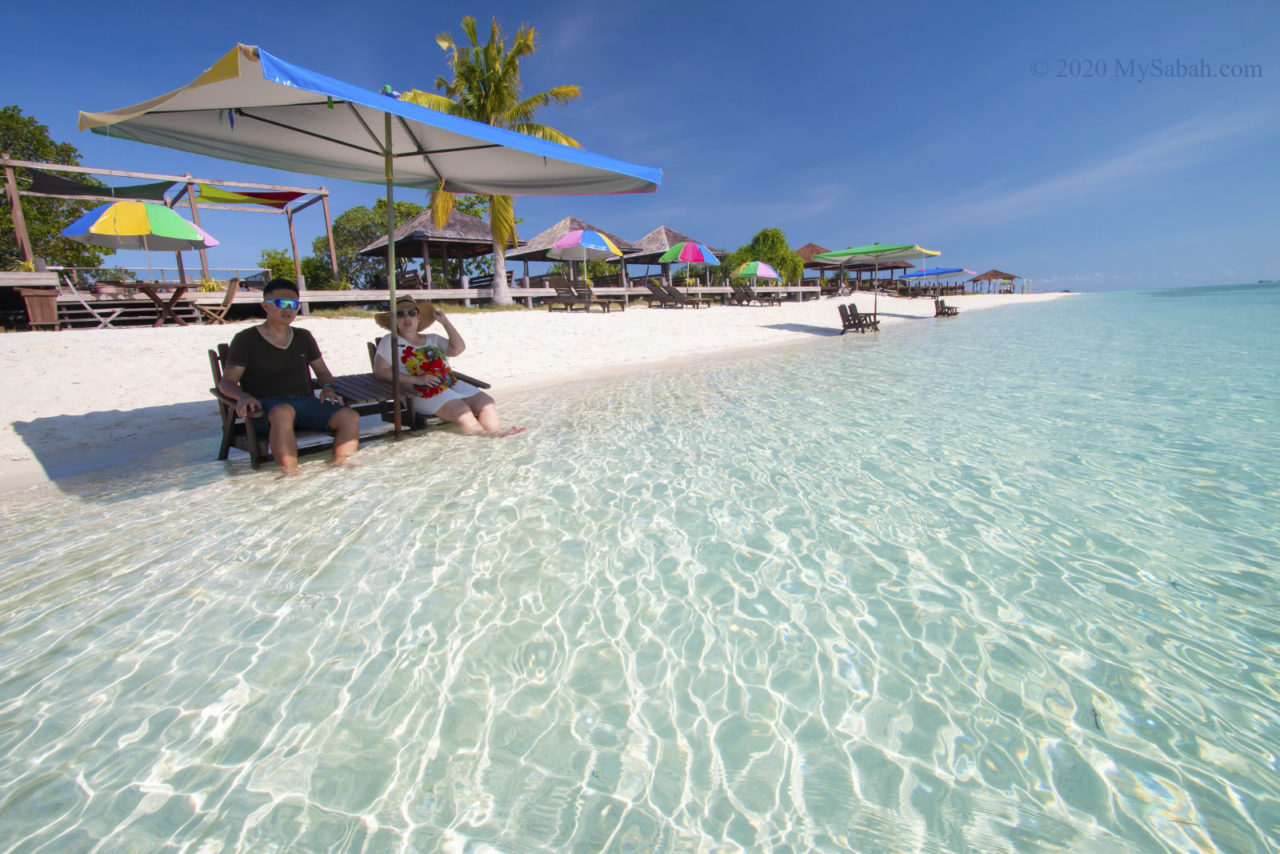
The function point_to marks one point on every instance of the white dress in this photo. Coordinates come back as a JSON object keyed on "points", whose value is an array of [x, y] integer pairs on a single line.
{"points": [[417, 360]]}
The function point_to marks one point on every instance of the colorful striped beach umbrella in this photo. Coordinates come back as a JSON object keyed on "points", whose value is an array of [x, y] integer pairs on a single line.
{"points": [[690, 252], [137, 225], [584, 245], [756, 269]]}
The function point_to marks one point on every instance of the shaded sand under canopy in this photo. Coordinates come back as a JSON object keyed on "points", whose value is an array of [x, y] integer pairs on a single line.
{"points": [[80, 400]]}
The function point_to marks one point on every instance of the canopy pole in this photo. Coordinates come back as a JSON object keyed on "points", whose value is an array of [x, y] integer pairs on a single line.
{"points": [[389, 169], [297, 264], [15, 211], [195, 217], [328, 230]]}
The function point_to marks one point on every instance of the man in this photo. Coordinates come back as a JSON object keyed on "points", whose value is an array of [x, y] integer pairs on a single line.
{"points": [[268, 373]]}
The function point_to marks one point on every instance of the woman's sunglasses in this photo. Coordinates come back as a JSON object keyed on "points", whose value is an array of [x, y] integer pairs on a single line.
{"points": [[291, 304], [409, 312]]}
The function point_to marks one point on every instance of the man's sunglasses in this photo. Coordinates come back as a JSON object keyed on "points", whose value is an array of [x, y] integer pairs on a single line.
{"points": [[282, 302], [409, 312]]}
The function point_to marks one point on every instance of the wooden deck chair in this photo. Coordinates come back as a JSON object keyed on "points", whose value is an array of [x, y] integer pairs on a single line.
{"points": [[851, 319], [565, 295], [588, 295], [749, 295], [680, 298], [239, 432], [941, 309], [658, 294], [218, 314]]}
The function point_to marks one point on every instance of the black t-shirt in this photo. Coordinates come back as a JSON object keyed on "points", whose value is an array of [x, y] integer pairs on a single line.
{"points": [[271, 371]]}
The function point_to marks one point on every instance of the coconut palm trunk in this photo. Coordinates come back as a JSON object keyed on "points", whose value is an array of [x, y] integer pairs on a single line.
{"points": [[486, 88]]}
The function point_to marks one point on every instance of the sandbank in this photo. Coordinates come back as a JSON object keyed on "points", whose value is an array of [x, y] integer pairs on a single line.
{"points": [[76, 401]]}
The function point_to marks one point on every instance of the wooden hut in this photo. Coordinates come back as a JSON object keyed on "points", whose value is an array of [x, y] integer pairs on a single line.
{"points": [[995, 276], [460, 238], [806, 254], [535, 249], [648, 249]]}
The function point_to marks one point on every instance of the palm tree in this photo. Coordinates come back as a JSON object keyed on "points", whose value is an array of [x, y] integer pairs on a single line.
{"points": [[486, 88]]}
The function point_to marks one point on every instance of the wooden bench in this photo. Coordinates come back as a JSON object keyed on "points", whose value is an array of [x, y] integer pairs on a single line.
{"points": [[364, 393]]}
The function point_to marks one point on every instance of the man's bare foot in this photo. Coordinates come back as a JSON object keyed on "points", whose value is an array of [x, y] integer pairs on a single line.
{"points": [[344, 463], [290, 472], [510, 431]]}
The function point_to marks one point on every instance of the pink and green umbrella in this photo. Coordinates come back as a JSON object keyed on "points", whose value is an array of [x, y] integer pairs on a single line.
{"points": [[756, 269], [690, 252], [137, 225]]}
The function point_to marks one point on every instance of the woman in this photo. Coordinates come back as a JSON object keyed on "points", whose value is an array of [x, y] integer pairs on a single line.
{"points": [[423, 361]]}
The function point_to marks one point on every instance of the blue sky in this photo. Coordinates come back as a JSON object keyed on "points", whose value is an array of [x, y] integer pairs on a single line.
{"points": [[969, 128]]}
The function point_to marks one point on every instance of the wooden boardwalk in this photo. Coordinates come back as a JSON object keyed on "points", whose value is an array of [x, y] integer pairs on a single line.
{"points": [[87, 310]]}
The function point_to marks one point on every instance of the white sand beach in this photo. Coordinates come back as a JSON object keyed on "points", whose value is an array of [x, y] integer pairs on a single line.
{"points": [[80, 400]]}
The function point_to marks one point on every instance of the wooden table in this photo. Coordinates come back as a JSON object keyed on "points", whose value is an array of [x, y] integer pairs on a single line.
{"points": [[166, 308]]}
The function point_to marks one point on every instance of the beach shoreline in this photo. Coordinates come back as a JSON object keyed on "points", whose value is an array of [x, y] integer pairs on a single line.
{"points": [[82, 401]]}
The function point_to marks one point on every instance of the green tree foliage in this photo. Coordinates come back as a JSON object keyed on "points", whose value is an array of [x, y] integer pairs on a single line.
{"points": [[770, 246], [357, 228], [486, 88], [595, 268], [24, 138], [354, 230], [277, 263], [319, 276]]}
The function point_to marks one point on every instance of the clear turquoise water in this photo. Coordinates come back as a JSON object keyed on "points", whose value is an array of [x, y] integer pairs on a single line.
{"points": [[1004, 582]]}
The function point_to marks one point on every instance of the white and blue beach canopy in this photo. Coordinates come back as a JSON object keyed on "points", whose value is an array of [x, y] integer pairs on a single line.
{"points": [[253, 107], [935, 273]]}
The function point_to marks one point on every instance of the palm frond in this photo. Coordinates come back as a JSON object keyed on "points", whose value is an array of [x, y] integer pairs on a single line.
{"points": [[502, 220], [430, 99], [441, 206], [543, 132]]}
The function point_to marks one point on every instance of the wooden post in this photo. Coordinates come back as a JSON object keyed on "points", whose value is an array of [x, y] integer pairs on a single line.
{"points": [[293, 242], [328, 230], [15, 207], [195, 217]]}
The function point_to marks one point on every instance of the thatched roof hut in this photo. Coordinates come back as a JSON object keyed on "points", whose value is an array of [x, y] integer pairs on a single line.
{"points": [[992, 276], [462, 236], [535, 249], [649, 248], [807, 252], [995, 276]]}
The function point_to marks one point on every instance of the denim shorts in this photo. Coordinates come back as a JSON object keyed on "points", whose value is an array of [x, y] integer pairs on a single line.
{"points": [[309, 413]]}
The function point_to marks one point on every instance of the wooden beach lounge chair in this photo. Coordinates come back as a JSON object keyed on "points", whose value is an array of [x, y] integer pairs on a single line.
{"points": [[586, 293], [749, 295], [681, 299], [658, 293], [218, 314], [851, 319], [941, 309], [239, 432], [565, 296]]}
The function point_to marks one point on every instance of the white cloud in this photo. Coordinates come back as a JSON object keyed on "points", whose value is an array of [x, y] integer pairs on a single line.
{"points": [[1172, 150]]}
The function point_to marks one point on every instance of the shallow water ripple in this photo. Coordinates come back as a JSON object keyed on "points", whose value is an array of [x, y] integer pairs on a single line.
{"points": [[944, 607]]}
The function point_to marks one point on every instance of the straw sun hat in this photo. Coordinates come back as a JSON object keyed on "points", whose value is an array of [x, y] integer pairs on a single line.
{"points": [[426, 314]]}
